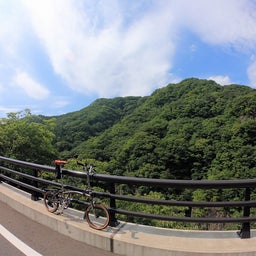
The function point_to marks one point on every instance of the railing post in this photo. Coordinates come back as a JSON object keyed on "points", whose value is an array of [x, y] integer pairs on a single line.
{"points": [[113, 221], [245, 230], [34, 195], [0, 178]]}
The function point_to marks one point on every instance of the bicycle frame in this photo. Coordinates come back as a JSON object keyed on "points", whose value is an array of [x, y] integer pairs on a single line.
{"points": [[96, 213], [65, 200]]}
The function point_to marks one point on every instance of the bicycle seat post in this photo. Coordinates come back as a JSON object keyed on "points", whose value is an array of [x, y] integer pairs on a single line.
{"points": [[87, 176], [59, 164], [88, 179]]}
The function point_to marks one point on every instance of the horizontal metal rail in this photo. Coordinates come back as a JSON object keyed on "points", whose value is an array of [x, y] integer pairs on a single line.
{"points": [[181, 184], [21, 184], [179, 203], [187, 219], [196, 184], [37, 188]]}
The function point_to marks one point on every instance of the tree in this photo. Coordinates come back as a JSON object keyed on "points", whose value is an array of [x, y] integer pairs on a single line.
{"points": [[26, 139]]}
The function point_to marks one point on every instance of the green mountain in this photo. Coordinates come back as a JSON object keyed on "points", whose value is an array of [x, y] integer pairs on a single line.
{"points": [[77, 127], [196, 129]]}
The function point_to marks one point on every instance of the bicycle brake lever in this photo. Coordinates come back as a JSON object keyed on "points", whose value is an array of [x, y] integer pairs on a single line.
{"points": [[92, 171], [78, 163]]}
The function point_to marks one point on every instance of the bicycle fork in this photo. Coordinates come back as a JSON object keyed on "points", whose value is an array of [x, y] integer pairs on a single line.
{"points": [[64, 201], [92, 203]]}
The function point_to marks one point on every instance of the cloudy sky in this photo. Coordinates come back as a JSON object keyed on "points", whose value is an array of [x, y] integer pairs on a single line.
{"points": [[58, 56]]}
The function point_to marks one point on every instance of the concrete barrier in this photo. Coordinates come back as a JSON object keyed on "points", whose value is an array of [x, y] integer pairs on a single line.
{"points": [[131, 239]]}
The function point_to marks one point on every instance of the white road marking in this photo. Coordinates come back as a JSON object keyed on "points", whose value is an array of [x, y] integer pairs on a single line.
{"points": [[17, 242]]}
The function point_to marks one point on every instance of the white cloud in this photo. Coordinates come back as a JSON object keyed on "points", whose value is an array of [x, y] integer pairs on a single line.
{"points": [[111, 49], [8, 110], [122, 47], [10, 28], [30, 87], [220, 22], [222, 80], [96, 50]]}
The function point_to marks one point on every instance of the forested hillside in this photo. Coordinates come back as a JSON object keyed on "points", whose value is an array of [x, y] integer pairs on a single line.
{"points": [[74, 128], [195, 129]]}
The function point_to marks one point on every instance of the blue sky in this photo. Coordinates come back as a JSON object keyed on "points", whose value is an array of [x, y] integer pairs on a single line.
{"points": [[58, 56]]}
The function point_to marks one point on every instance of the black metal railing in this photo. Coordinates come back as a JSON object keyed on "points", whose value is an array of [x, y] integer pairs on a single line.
{"points": [[11, 171]]}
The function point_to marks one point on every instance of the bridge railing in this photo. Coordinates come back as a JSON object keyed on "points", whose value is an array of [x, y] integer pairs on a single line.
{"points": [[35, 185]]}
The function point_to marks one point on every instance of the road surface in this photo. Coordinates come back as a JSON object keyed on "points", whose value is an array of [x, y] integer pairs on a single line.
{"points": [[21, 236]]}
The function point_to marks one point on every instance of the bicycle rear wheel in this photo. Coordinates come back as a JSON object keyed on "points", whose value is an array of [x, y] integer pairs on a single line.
{"points": [[51, 201], [97, 216]]}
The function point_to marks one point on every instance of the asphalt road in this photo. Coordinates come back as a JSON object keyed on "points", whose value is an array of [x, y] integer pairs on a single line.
{"points": [[41, 239]]}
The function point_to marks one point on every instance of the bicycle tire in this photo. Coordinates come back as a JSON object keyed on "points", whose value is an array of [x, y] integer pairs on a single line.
{"points": [[97, 216], [51, 201]]}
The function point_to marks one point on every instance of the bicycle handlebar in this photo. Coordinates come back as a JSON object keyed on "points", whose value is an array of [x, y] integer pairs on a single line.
{"points": [[79, 163], [59, 163], [91, 169]]}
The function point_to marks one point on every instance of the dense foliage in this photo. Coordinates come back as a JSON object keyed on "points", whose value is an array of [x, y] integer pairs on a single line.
{"points": [[27, 137], [195, 129], [72, 129]]}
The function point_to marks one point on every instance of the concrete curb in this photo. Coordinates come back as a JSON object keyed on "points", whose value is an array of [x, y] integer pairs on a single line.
{"points": [[131, 239]]}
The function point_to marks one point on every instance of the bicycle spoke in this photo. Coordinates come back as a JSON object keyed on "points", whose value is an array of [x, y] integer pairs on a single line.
{"points": [[51, 201], [97, 216]]}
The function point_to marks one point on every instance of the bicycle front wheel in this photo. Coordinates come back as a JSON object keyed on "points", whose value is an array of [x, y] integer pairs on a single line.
{"points": [[97, 216], [51, 201]]}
